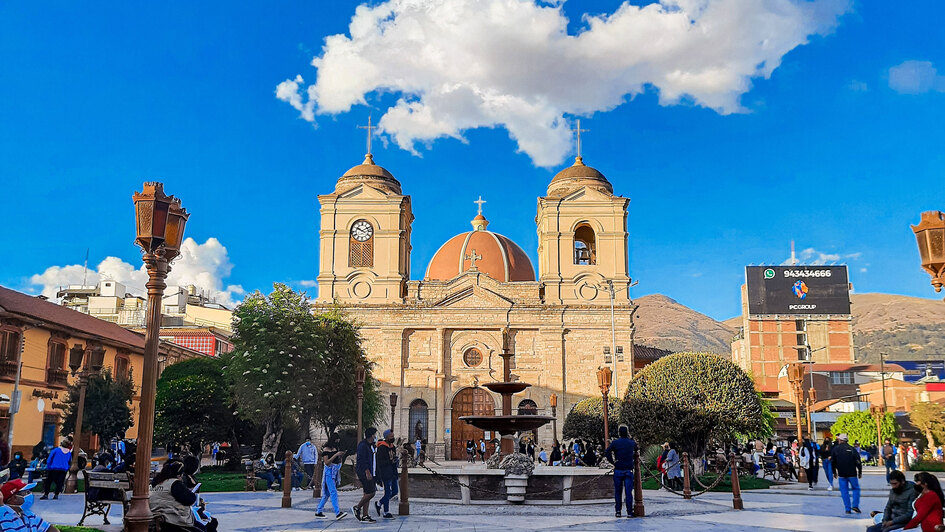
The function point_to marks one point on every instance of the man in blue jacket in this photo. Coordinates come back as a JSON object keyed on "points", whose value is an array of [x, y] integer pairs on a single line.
{"points": [[622, 453], [57, 466], [308, 456], [364, 469]]}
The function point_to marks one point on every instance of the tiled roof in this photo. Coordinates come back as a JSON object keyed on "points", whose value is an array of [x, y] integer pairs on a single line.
{"points": [[31, 308], [645, 352], [856, 367]]}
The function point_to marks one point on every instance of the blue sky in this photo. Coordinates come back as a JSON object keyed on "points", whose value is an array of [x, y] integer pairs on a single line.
{"points": [[97, 97]]}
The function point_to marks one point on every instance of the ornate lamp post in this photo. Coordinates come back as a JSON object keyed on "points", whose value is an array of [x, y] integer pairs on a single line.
{"points": [[930, 236], [604, 376], [359, 380], [96, 358], [160, 221], [796, 377], [554, 414], [393, 409]]}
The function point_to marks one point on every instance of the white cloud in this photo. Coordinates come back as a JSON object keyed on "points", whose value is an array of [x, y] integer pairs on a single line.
{"points": [[813, 257], [204, 265], [462, 64], [308, 283], [915, 77]]}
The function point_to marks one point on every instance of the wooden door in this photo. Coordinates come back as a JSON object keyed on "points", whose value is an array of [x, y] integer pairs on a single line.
{"points": [[468, 402]]}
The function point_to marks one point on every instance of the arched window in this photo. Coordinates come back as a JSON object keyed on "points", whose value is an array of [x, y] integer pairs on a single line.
{"points": [[585, 245], [527, 408], [361, 245], [419, 420]]}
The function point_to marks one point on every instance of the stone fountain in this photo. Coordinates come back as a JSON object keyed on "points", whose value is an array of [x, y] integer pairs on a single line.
{"points": [[509, 425]]}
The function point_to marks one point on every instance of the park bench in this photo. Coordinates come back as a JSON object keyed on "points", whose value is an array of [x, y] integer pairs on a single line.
{"points": [[771, 467], [250, 475], [113, 488]]}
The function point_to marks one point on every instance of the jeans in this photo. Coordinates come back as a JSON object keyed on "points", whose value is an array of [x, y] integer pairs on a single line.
{"points": [[329, 491], [623, 480], [846, 485], [271, 477], [297, 478], [310, 471], [890, 466], [828, 471], [390, 490]]}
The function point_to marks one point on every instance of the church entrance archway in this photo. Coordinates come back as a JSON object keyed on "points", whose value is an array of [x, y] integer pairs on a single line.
{"points": [[468, 402]]}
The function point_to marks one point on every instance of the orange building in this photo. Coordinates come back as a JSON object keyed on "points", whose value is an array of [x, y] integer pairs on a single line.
{"points": [[35, 339]]}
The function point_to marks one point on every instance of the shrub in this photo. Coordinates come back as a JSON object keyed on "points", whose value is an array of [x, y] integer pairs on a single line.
{"points": [[586, 419]]}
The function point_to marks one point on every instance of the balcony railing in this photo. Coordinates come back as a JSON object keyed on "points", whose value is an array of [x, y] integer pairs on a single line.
{"points": [[7, 368], [57, 377]]}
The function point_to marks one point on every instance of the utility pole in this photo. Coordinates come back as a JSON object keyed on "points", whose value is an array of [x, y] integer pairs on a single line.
{"points": [[882, 372], [15, 397]]}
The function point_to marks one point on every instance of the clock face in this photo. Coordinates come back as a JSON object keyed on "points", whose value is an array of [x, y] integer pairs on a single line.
{"points": [[361, 231]]}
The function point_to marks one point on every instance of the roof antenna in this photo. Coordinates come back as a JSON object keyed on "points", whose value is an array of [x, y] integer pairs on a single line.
{"points": [[793, 256], [85, 276]]}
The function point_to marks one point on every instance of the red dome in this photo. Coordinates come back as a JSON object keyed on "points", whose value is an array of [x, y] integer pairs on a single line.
{"points": [[496, 256]]}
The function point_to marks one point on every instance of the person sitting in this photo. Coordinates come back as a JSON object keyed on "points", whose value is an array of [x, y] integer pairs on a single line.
{"points": [[928, 505], [171, 500], [266, 469], [103, 494], [17, 465], [16, 513], [556, 454], [785, 465], [898, 512]]}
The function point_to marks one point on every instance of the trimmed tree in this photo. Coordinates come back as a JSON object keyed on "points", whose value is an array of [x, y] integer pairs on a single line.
{"points": [[929, 418], [586, 419], [692, 399], [862, 426], [107, 411], [192, 404]]}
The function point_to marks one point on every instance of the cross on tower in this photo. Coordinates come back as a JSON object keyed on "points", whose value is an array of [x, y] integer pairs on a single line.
{"points": [[479, 202], [369, 129], [472, 258], [578, 130]]}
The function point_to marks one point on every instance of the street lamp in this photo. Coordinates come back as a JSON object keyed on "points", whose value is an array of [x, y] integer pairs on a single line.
{"points": [[612, 290], [930, 236], [796, 377], [359, 380], [603, 380], [159, 221], [554, 414], [96, 359], [393, 406]]}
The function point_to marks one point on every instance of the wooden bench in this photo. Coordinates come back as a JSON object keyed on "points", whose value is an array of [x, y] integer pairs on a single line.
{"points": [[771, 467], [250, 475], [113, 488]]}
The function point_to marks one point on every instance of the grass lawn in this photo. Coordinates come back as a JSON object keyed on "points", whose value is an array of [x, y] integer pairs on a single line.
{"points": [[745, 483], [937, 467], [64, 528], [216, 480]]}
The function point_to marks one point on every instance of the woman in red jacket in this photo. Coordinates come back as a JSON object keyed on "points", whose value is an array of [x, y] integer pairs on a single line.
{"points": [[928, 507]]}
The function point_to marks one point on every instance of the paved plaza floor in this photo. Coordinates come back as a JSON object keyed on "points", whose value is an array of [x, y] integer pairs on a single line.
{"points": [[784, 508]]}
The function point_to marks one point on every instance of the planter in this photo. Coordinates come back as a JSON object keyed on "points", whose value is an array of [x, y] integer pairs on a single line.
{"points": [[515, 487]]}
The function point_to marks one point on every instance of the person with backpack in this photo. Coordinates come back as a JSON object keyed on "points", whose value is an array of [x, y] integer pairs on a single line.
{"points": [[386, 466]]}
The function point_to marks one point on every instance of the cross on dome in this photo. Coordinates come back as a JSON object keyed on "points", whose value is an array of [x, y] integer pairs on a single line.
{"points": [[370, 132], [578, 131], [479, 202]]}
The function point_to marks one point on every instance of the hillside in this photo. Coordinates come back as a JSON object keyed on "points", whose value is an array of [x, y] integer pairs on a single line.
{"points": [[900, 326], [664, 323]]}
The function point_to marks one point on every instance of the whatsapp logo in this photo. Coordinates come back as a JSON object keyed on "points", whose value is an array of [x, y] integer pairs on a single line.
{"points": [[769, 274]]}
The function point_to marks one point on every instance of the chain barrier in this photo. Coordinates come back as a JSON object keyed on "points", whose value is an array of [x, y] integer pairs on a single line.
{"points": [[659, 479]]}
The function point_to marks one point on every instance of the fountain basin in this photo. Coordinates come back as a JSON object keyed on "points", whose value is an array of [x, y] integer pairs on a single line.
{"points": [[503, 388], [507, 425]]}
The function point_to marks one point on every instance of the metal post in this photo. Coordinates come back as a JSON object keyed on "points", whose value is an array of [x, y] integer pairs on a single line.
{"points": [[287, 481], [882, 372], [638, 510], [317, 479], [736, 487], [72, 482], [606, 422], [613, 331], [404, 507], [687, 491], [15, 398], [139, 513]]}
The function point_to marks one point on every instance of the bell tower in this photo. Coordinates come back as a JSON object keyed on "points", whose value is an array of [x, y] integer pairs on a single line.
{"points": [[364, 253], [582, 238]]}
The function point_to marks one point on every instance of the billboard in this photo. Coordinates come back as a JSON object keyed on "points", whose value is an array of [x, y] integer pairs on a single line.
{"points": [[798, 290]]}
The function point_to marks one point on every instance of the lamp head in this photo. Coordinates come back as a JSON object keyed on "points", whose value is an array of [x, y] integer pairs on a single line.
{"points": [[76, 353], [160, 220]]}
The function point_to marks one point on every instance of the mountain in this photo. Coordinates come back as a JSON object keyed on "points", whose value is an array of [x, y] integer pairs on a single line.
{"points": [[664, 323], [901, 326]]}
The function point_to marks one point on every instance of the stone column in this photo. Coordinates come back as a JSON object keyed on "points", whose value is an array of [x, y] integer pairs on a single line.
{"points": [[439, 447]]}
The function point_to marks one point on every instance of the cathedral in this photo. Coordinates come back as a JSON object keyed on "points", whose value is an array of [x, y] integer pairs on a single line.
{"points": [[436, 338]]}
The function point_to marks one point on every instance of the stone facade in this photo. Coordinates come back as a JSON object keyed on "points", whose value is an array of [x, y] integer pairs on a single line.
{"points": [[432, 339]]}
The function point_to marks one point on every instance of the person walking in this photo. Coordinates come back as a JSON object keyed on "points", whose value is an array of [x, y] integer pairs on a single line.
{"points": [[848, 469], [898, 511], [889, 457], [418, 446], [810, 462], [386, 468], [673, 465], [331, 466], [482, 450], [827, 462], [928, 506], [622, 454], [57, 465], [308, 456], [364, 469], [470, 452]]}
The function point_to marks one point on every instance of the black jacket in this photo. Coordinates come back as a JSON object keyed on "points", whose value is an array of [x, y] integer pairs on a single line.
{"points": [[386, 460], [846, 461]]}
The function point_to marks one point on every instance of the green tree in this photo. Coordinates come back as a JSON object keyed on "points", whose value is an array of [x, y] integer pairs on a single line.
{"points": [[107, 412], [862, 426], [192, 405], [929, 418], [586, 419], [692, 399]]}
